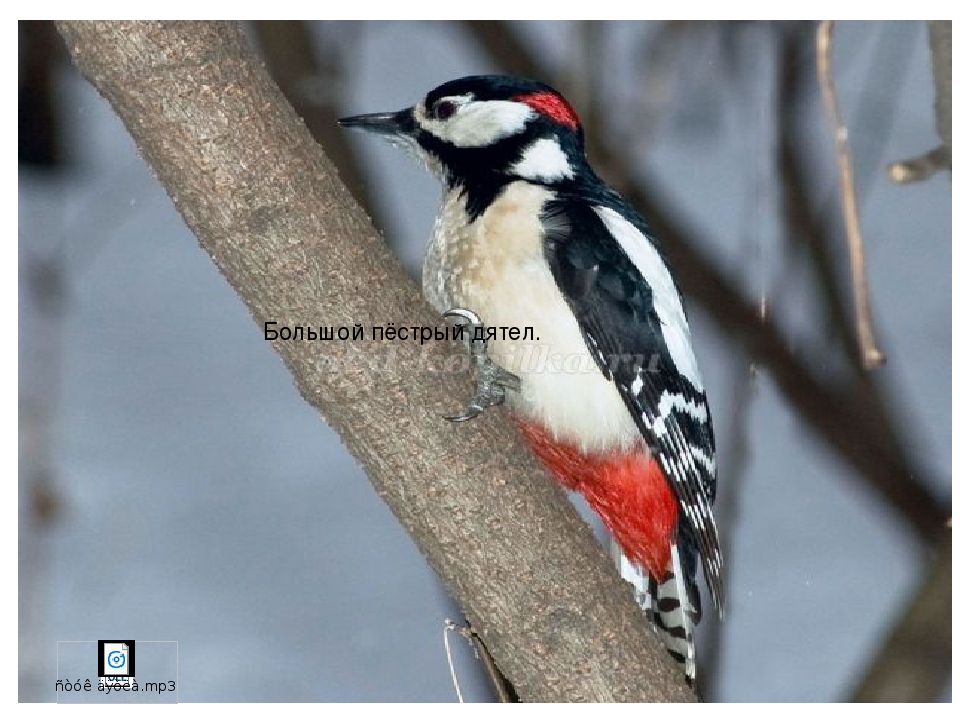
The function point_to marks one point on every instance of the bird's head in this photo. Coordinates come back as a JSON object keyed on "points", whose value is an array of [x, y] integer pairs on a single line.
{"points": [[487, 126]]}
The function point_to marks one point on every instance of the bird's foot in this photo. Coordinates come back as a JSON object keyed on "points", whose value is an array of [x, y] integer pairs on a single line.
{"points": [[492, 380]]}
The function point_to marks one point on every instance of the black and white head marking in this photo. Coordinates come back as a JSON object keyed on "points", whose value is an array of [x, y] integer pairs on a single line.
{"points": [[466, 122], [480, 133]]}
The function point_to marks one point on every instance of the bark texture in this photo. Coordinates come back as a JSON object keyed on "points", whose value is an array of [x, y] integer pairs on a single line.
{"points": [[266, 204]]}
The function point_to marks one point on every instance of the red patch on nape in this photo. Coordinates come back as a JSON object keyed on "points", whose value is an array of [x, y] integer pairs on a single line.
{"points": [[626, 489], [552, 105]]}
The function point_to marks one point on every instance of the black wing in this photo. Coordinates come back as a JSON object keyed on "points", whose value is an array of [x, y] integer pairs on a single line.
{"points": [[614, 306]]}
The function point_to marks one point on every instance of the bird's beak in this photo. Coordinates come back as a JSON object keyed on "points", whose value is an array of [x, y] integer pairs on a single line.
{"points": [[391, 124]]}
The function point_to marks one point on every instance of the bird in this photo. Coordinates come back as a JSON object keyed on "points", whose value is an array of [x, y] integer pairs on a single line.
{"points": [[603, 382]]}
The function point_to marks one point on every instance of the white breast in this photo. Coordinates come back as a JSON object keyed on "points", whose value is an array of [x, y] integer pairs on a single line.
{"points": [[495, 267]]}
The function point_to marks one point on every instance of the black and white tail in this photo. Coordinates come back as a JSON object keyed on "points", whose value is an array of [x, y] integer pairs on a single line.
{"points": [[673, 605]]}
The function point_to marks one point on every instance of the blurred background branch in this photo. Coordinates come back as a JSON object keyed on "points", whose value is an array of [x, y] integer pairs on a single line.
{"points": [[915, 659], [313, 79]]}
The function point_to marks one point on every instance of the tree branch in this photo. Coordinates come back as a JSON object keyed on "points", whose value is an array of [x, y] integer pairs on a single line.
{"points": [[267, 205], [870, 355]]}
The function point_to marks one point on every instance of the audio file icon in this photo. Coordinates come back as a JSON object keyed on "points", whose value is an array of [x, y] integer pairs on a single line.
{"points": [[116, 658]]}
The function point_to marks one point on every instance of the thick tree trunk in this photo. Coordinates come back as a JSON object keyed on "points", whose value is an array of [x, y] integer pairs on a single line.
{"points": [[267, 205]]}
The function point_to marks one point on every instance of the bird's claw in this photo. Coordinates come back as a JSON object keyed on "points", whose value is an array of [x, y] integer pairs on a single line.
{"points": [[492, 381]]}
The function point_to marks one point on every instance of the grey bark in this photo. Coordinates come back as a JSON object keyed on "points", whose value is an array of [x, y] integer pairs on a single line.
{"points": [[266, 204]]}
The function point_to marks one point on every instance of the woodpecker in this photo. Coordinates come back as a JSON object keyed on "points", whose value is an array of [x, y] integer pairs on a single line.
{"points": [[607, 390]]}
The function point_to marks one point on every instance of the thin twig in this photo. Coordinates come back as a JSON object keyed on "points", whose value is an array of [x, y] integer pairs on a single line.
{"points": [[879, 102], [501, 686], [870, 355], [806, 228], [940, 33], [449, 626], [919, 168]]}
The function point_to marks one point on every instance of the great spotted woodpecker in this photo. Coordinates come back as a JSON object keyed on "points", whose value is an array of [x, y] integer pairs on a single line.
{"points": [[529, 236]]}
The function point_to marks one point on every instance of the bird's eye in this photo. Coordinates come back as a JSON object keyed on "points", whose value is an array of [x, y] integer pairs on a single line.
{"points": [[444, 109]]}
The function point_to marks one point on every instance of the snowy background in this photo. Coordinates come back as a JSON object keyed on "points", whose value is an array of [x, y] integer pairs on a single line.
{"points": [[188, 493]]}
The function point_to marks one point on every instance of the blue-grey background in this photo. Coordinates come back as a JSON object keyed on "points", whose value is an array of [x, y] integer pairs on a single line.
{"points": [[189, 494]]}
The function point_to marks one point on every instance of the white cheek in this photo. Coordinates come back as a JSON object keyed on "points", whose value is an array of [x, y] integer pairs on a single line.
{"points": [[477, 124], [543, 160]]}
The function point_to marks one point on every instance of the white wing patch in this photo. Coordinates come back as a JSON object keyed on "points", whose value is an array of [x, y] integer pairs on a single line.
{"points": [[666, 297]]}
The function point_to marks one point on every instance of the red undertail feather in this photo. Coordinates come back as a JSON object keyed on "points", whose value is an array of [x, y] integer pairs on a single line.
{"points": [[626, 489]]}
